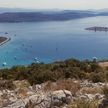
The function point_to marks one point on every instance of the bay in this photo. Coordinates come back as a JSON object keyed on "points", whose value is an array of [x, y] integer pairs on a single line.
{"points": [[51, 41]]}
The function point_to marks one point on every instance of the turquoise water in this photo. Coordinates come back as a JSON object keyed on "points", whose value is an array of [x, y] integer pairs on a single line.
{"points": [[50, 41]]}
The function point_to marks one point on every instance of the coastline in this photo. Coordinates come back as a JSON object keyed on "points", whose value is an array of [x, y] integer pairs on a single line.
{"points": [[8, 39]]}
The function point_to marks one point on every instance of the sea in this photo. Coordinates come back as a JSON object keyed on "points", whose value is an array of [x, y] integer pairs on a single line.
{"points": [[52, 41]]}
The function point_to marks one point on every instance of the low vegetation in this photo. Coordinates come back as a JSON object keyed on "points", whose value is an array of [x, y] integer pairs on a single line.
{"points": [[71, 68], [84, 104]]}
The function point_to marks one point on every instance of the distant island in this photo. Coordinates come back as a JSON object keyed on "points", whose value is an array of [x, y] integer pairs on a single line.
{"points": [[48, 15], [42, 16], [96, 28], [3, 40]]}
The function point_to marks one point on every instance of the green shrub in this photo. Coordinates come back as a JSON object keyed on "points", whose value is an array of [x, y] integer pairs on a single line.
{"points": [[39, 73]]}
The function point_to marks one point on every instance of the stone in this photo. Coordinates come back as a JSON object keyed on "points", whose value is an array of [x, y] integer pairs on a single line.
{"points": [[99, 96], [61, 97]]}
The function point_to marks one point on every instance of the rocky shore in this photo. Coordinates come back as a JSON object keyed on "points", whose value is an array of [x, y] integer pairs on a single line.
{"points": [[68, 93]]}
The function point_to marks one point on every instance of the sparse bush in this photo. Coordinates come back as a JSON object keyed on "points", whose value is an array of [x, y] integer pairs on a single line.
{"points": [[104, 103], [95, 67], [97, 77]]}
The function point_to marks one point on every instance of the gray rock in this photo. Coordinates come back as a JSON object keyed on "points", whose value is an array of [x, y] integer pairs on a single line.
{"points": [[61, 97]]}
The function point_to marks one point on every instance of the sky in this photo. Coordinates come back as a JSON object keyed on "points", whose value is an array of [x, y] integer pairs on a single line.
{"points": [[55, 4]]}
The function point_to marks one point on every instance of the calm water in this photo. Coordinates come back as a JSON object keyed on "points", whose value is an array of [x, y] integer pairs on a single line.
{"points": [[50, 41]]}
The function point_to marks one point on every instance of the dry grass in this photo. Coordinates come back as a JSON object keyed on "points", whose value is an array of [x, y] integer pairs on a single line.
{"points": [[84, 104], [63, 85], [21, 84], [105, 91], [72, 86], [23, 92], [90, 90], [103, 64]]}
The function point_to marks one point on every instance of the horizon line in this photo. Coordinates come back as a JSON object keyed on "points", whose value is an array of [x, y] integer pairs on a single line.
{"points": [[52, 8]]}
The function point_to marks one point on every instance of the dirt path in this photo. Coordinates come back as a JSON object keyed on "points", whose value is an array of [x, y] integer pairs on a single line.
{"points": [[103, 64]]}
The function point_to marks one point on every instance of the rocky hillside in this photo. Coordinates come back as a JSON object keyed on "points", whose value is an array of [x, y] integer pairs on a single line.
{"points": [[68, 93], [63, 84]]}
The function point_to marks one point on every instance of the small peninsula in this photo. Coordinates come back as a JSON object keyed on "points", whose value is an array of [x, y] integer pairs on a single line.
{"points": [[3, 40]]}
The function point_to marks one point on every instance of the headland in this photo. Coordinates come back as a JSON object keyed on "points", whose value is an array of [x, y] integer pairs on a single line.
{"points": [[4, 40]]}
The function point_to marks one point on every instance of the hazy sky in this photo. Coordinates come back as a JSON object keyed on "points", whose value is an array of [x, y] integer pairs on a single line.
{"points": [[55, 4]]}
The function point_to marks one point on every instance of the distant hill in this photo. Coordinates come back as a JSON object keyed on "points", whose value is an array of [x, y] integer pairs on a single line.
{"points": [[42, 16], [21, 15]]}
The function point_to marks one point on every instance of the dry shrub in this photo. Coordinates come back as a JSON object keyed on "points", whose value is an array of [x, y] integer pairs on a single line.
{"points": [[23, 92], [21, 84], [63, 85], [84, 104], [48, 86], [105, 91], [90, 90], [6, 84]]}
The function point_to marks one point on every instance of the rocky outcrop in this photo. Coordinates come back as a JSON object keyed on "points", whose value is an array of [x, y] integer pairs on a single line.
{"points": [[43, 100], [36, 97], [61, 97]]}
